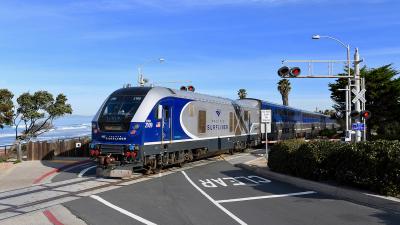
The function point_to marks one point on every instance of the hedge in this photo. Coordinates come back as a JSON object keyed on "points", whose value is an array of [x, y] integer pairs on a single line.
{"points": [[369, 165]]}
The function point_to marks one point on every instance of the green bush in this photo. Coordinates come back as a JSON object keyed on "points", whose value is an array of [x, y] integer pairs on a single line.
{"points": [[370, 165], [280, 154], [329, 133]]}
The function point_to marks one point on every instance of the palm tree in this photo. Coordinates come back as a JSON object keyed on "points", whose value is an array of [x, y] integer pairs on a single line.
{"points": [[242, 93], [284, 88]]}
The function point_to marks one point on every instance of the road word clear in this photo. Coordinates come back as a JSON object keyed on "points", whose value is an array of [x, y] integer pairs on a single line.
{"points": [[233, 181]]}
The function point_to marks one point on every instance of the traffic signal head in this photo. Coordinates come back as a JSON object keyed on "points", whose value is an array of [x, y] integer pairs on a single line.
{"points": [[366, 114], [284, 71], [354, 114], [295, 71], [190, 88]]}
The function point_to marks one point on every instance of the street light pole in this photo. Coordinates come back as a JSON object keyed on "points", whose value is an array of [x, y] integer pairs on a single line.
{"points": [[348, 92], [141, 81]]}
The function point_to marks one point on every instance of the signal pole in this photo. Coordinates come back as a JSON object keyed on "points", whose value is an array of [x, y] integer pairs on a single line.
{"points": [[357, 87]]}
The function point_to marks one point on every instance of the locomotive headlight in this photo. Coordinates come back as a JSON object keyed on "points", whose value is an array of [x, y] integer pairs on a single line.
{"points": [[136, 126]]}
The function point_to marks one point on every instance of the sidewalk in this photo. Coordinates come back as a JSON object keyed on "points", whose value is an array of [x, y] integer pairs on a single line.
{"points": [[26, 173], [55, 215], [259, 166]]}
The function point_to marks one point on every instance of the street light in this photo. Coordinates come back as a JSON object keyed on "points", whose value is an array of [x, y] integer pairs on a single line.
{"points": [[348, 96], [141, 80]]}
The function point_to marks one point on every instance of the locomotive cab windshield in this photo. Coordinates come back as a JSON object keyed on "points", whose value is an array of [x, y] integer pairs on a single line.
{"points": [[119, 110]]}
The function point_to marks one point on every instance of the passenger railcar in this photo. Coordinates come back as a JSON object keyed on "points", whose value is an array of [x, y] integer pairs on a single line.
{"points": [[147, 128]]}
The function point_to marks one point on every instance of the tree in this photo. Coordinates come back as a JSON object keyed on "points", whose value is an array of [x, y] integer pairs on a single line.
{"points": [[242, 93], [6, 108], [284, 88], [36, 112], [327, 112], [383, 99]]}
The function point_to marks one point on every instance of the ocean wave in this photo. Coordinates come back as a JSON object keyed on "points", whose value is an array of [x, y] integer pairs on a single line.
{"points": [[7, 135], [73, 127]]}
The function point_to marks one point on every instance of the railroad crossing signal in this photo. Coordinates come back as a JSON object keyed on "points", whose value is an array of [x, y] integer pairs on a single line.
{"points": [[295, 71], [355, 114], [284, 71], [287, 72], [359, 95], [366, 114]]}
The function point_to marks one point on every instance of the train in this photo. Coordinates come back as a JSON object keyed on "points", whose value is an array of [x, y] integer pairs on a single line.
{"points": [[148, 128]]}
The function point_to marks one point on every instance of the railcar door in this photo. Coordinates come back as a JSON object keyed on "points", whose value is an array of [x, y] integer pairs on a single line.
{"points": [[166, 124]]}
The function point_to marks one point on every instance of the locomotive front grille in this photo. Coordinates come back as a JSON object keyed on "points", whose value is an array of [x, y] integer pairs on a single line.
{"points": [[119, 149]]}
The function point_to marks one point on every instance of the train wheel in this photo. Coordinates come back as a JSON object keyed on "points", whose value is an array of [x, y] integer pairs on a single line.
{"points": [[147, 171]]}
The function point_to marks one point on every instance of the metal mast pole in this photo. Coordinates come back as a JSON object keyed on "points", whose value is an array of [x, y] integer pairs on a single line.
{"points": [[363, 108], [357, 87], [140, 76], [348, 94]]}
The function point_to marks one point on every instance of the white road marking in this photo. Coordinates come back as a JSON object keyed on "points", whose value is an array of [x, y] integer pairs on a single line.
{"points": [[219, 182], [85, 170], [213, 201], [76, 166], [41, 195], [266, 196], [121, 210], [384, 197]]}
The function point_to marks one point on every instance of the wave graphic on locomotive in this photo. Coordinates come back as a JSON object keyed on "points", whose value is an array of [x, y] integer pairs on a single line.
{"points": [[147, 128]]}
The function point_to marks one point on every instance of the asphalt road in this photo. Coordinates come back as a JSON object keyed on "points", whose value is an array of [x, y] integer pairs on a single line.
{"points": [[218, 193], [84, 170]]}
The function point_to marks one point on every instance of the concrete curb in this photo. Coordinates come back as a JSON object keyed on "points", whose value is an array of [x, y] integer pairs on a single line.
{"points": [[356, 196]]}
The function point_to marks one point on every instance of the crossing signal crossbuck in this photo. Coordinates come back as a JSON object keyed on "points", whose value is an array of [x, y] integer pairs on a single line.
{"points": [[287, 72]]}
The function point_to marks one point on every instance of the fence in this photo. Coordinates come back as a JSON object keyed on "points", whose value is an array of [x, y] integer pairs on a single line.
{"points": [[46, 150], [6, 151]]}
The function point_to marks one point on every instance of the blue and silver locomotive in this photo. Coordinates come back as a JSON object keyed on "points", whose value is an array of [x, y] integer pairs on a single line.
{"points": [[147, 128]]}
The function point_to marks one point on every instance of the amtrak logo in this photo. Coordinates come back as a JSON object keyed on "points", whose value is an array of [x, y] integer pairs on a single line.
{"points": [[218, 112]]}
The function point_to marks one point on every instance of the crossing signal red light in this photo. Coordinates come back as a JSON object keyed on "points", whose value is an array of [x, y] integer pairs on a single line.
{"points": [[190, 88], [295, 71], [183, 88], [355, 114], [366, 114], [284, 71]]}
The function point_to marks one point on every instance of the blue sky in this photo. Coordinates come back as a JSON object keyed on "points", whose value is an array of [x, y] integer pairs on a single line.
{"points": [[86, 49]]}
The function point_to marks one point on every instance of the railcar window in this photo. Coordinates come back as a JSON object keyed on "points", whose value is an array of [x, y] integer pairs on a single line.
{"points": [[246, 115], [166, 112], [202, 121], [235, 123], [231, 122]]}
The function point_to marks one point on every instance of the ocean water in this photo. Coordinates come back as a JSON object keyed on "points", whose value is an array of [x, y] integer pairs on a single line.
{"points": [[65, 127]]}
